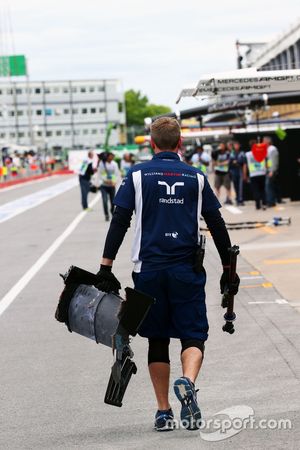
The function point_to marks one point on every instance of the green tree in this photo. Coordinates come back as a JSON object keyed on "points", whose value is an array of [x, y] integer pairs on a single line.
{"points": [[138, 107]]}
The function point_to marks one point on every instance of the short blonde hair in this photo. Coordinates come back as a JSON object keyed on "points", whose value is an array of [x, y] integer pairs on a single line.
{"points": [[165, 132]]}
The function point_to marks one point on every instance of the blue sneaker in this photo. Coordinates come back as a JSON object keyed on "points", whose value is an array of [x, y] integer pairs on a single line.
{"points": [[186, 393], [164, 420]]}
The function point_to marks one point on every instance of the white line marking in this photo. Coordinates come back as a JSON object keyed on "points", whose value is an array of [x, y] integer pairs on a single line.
{"points": [[27, 277], [251, 278], [27, 183], [286, 244], [280, 301], [233, 209], [22, 204]]}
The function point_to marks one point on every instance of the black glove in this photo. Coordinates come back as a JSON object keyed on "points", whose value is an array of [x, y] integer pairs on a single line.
{"points": [[232, 287], [106, 281]]}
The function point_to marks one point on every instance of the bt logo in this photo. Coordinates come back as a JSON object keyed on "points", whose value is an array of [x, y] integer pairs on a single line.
{"points": [[171, 189]]}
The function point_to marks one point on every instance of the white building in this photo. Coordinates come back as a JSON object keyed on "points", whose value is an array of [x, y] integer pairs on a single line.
{"points": [[66, 114], [283, 52]]}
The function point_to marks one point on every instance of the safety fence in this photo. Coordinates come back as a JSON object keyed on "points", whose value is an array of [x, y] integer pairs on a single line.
{"points": [[12, 173]]}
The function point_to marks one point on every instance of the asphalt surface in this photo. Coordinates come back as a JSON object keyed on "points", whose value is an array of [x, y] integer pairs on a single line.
{"points": [[53, 382]]}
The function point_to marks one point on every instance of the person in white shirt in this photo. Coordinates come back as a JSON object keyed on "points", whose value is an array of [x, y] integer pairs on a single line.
{"points": [[109, 175], [201, 159], [272, 182]]}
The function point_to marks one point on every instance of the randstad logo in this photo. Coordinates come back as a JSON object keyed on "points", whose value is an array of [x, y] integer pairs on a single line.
{"points": [[171, 190]]}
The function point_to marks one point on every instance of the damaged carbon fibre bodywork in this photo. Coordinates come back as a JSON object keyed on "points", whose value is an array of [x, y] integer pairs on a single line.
{"points": [[107, 319]]}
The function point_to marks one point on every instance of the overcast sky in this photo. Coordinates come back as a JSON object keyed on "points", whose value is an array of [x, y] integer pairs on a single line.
{"points": [[155, 46]]}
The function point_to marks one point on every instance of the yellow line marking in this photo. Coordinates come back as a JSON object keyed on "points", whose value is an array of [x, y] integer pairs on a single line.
{"points": [[267, 285], [282, 261], [268, 230], [250, 286], [253, 272]]}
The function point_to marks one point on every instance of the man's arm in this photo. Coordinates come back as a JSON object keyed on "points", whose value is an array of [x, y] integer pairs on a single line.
{"points": [[118, 227], [106, 281], [221, 238], [217, 228]]}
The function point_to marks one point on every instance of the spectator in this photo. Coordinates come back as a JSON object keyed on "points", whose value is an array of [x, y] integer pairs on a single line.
{"points": [[221, 168], [236, 163]]}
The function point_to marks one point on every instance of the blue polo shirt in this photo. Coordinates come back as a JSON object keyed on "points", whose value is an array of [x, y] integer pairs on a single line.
{"points": [[168, 197]]}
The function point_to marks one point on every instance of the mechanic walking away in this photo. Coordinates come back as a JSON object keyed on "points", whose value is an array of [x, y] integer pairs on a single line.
{"points": [[236, 163], [109, 175], [85, 173], [221, 167], [169, 197], [273, 194]]}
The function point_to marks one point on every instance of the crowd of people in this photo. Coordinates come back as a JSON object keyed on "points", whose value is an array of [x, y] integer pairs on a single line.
{"points": [[20, 164], [101, 172], [233, 166]]}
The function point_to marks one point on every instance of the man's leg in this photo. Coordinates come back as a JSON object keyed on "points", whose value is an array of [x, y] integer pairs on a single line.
{"points": [[255, 191], [191, 360], [84, 186], [104, 201], [112, 192], [217, 185], [159, 369]]}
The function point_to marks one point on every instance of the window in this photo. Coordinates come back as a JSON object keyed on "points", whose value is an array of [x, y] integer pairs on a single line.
{"points": [[19, 91], [67, 132], [21, 134], [39, 112], [84, 110], [0, 91], [85, 132], [56, 90], [76, 132], [101, 88], [75, 111], [48, 133], [65, 90], [2, 135], [101, 110], [12, 135], [58, 133], [120, 107], [37, 90], [11, 113], [82, 89], [94, 131], [93, 110], [9, 91], [92, 89], [74, 89], [47, 90], [20, 113], [39, 133], [66, 111]]}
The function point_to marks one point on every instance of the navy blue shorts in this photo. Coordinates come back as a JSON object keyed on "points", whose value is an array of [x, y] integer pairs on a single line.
{"points": [[179, 310]]}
